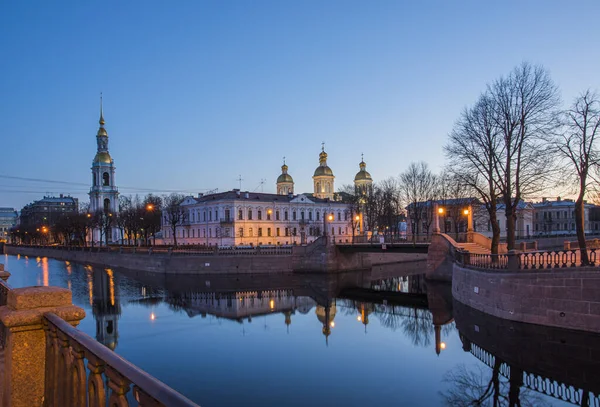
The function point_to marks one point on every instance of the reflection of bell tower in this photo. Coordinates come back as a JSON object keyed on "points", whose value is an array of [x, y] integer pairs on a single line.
{"points": [[106, 307], [288, 320]]}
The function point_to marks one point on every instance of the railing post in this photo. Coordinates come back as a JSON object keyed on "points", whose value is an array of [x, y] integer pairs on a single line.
{"points": [[3, 273], [513, 260], [25, 350]]}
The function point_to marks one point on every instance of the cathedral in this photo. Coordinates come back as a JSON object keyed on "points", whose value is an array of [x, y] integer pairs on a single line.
{"points": [[104, 195], [236, 217]]}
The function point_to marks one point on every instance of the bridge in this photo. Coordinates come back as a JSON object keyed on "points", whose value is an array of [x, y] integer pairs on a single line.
{"points": [[383, 248]]}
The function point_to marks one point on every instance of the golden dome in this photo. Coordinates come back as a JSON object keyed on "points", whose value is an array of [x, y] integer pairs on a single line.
{"points": [[102, 158], [363, 175], [323, 170], [284, 178], [322, 315], [102, 132]]}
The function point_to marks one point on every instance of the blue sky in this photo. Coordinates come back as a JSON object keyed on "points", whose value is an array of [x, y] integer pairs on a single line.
{"points": [[197, 93]]}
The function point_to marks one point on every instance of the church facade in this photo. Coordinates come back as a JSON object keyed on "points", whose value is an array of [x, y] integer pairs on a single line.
{"points": [[236, 217]]}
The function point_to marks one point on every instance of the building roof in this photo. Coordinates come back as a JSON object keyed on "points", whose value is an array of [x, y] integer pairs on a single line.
{"points": [[255, 197], [563, 203]]}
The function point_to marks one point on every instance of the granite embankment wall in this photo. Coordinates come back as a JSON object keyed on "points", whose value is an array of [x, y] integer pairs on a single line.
{"points": [[564, 298], [161, 263], [313, 258]]}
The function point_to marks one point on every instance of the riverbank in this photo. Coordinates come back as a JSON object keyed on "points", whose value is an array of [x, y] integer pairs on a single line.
{"points": [[563, 298], [314, 258]]}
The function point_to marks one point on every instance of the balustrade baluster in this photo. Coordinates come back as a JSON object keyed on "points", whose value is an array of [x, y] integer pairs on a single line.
{"points": [[573, 258], [96, 390], [592, 257], [565, 257], [78, 382], [119, 387], [50, 380], [144, 400], [64, 362]]}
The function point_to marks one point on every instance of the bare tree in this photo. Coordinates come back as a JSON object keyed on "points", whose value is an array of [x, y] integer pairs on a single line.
{"points": [[525, 110], [454, 196], [173, 211], [579, 147], [473, 149], [417, 191]]}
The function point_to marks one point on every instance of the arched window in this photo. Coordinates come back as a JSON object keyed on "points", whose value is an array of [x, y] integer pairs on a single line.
{"points": [[318, 188], [105, 179], [106, 205], [95, 182]]}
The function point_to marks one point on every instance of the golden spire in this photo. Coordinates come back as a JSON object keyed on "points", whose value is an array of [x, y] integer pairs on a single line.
{"points": [[362, 165], [284, 167], [101, 112]]}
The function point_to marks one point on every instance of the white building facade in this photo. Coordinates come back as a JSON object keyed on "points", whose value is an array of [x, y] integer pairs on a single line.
{"points": [[235, 218]]}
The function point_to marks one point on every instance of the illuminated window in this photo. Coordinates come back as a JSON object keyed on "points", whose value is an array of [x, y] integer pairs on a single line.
{"points": [[240, 215]]}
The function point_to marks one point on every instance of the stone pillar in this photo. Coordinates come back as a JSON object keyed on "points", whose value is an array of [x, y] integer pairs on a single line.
{"points": [[470, 219], [513, 260], [436, 219], [23, 376], [3, 273]]}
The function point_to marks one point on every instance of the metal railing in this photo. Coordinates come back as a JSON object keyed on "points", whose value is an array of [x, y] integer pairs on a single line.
{"points": [[69, 384]]}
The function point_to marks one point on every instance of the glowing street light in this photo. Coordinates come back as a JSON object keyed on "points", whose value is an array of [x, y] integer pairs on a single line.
{"points": [[466, 212], [330, 217], [441, 211]]}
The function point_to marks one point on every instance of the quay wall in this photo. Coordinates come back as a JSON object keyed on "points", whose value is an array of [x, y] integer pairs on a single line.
{"points": [[564, 298], [160, 263], [304, 259]]}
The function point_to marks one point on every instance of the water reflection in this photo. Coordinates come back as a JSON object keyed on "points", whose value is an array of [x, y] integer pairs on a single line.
{"points": [[524, 362], [387, 329]]}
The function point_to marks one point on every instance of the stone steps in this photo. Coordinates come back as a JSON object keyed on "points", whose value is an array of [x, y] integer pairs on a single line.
{"points": [[474, 248]]}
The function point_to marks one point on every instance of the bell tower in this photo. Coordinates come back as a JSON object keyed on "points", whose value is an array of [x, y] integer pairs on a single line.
{"points": [[104, 195]]}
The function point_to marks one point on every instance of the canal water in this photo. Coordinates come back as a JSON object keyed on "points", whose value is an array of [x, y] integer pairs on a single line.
{"points": [[312, 340]]}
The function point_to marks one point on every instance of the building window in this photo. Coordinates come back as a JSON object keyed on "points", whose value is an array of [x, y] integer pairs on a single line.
{"points": [[309, 215], [278, 233], [276, 215], [339, 216], [227, 214], [269, 232], [241, 232], [318, 216], [210, 215], [259, 216], [294, 215], [105, 179], [333, 231], [302, 215], [249, 214], [294, 231], [204, 216], [250, 232], [285, 216], [346, 215], [287, 231], [193, 233], [259, 232], [339, 231], [268, 215], [240, 215]]}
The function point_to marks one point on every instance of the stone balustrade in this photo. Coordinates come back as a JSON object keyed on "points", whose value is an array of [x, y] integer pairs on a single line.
{"points": [[43, 357]]}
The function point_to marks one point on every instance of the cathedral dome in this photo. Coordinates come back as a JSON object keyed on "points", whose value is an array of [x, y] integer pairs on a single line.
{"points": [[102, 132], [103, 158], [323, 170], [285, 178]]}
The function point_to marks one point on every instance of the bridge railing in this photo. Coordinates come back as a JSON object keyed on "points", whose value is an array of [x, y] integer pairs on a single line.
{"points": [[69, 384]]}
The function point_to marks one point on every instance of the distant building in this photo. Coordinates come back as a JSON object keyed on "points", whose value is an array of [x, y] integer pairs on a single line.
{"points": [[247, 218], [8, 219], [524, 226], [48, 210], [558, 217]]}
